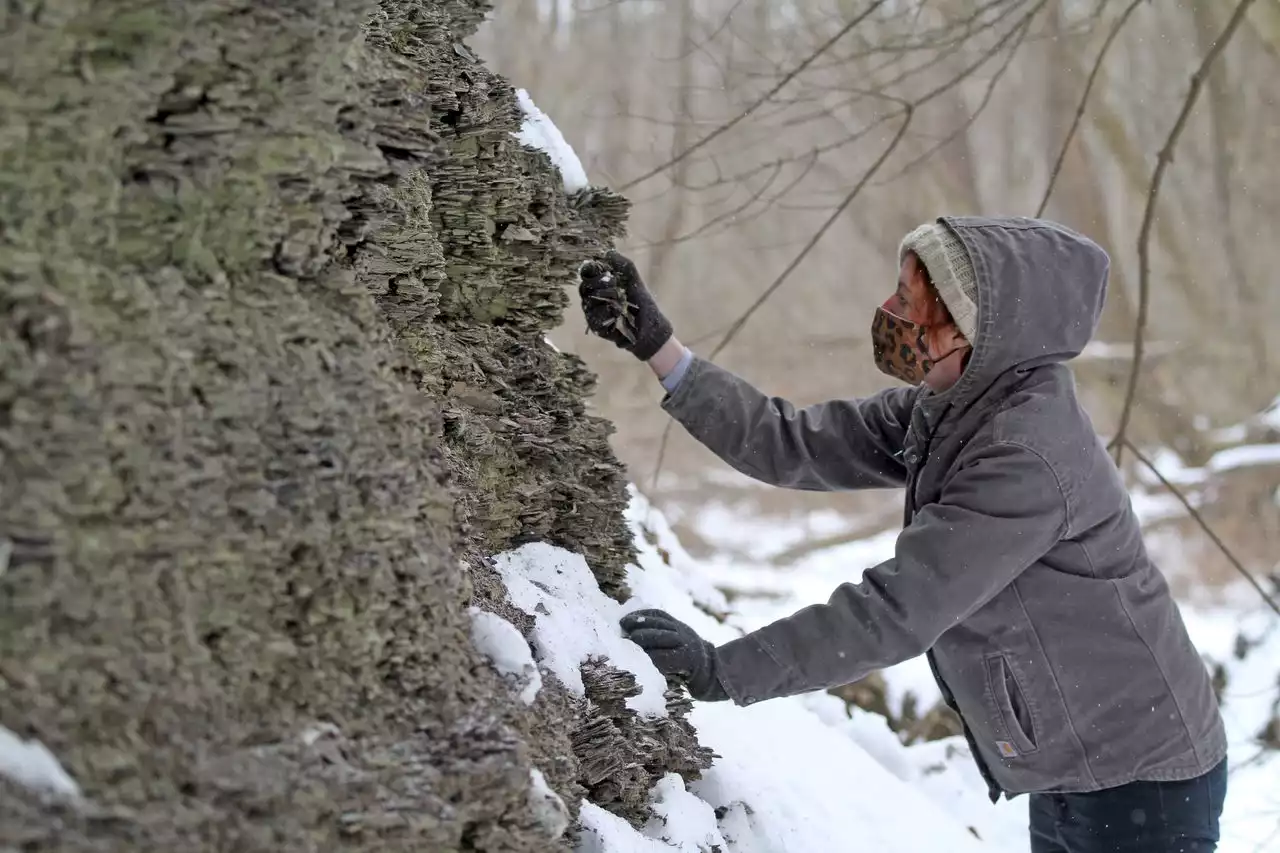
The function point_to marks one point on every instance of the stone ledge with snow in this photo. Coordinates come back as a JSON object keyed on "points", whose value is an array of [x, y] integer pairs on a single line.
{"points": [[30, 764], [540, 132], [808, 774], [787, 779], [504, 646]]}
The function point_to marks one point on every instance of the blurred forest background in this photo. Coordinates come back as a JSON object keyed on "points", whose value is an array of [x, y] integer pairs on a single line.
{"points": [[786, 147]]}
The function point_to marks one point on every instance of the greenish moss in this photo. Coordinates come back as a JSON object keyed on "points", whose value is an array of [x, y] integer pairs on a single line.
{"points": [[269, 377]]}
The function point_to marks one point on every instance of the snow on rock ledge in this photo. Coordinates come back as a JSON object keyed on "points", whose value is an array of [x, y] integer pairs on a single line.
{"points": [[791, 776], [540, 132], [32, 765], [546, 805], [505, 647], [574, 621], [787, 779], [682, 823]]}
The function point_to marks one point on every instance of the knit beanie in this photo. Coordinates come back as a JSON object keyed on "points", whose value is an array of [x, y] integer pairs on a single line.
{"points": [[947, 261]]}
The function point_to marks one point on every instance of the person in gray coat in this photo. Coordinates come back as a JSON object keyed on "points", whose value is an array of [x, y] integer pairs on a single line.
{"points": [[1020, 570]]}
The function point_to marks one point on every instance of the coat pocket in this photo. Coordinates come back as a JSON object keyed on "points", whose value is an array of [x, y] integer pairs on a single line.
{"points": [[1016, 713]]}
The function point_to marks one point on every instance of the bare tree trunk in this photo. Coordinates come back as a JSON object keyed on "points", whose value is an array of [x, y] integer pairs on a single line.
{"points": [[1243, 313], [677, 197]]}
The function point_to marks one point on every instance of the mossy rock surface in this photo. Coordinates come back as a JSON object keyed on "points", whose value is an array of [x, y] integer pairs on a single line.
{"points": [[275, 279]]}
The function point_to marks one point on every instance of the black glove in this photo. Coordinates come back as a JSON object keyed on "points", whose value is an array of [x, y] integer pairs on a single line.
{"points": [[619, 307], [677, 651]]}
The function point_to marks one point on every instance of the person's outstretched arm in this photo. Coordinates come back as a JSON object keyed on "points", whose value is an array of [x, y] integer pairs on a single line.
{"points": [[1002, 511], [837, 445]]}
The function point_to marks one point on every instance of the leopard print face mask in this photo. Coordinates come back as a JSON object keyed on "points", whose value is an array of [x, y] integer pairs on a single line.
{"points": [[900, 347]]}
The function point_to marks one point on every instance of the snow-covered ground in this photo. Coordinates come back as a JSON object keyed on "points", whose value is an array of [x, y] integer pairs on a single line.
{"points": [[1251, 818], [1251, 821], [802, 774], [793, 775]]}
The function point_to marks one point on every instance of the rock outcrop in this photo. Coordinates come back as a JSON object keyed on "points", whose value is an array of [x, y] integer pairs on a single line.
{"points": [[275, 279]]}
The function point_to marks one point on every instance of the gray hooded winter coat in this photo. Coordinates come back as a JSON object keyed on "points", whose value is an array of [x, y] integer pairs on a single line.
{"points": [[1020, 570]]}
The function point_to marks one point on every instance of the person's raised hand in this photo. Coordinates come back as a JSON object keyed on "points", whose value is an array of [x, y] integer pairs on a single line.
{"points": [[619, 308]]}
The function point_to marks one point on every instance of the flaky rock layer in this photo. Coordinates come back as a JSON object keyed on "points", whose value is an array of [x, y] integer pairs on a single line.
{"points": [[274, 284]]}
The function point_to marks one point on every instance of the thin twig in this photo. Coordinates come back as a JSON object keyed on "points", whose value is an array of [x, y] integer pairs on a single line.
{"points": [[740, 214], [1204, 525], [733, 122], [1022, 29], [944, 53], [932, 40], [907, 112], [701, 46], [706, 336], [1084, 100], [1018, 30], [1163, 159], [730, 215], [826, 148]]}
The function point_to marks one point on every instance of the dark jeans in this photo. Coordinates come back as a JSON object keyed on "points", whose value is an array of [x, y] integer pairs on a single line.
{"points": [[1141, 817]]}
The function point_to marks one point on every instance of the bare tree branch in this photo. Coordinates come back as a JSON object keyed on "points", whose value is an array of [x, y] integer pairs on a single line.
{"points": [[734, 214], [945, 51], [908, 112], [1084, 100], [700, 46], [807, 156], [1018, 30], [787, 78], [1163, 159], [1204, 525], [954, 34], [1022, 29]]}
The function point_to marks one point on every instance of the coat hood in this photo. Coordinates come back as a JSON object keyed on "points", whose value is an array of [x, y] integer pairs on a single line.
{"points": [[1041, 289]]}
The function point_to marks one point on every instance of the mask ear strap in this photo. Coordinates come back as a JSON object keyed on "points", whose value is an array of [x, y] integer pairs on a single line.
{"points": [[923, 346], [948, 354], [921, 343]]}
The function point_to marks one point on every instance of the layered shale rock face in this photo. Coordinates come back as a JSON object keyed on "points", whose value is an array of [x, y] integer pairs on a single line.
{"points": [[274, 283]]}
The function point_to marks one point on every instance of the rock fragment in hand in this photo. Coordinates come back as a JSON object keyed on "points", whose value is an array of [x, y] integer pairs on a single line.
{"points": [[616, 296]]}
